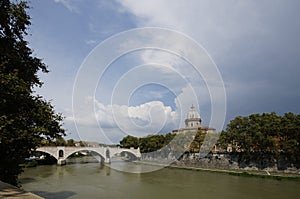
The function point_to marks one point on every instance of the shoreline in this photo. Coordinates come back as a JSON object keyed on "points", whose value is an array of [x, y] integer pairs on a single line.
{"points": [[236, 172], [10, 191]]}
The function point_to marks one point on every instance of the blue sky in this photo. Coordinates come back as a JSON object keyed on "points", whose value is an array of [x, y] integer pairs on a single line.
{"points": [[254, 44]]}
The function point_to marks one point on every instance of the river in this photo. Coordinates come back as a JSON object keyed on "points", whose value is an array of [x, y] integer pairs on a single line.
{"points": [[92, 180]]}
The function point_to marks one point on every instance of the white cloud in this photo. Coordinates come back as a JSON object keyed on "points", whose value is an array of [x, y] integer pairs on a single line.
{"points": [[156, 94], [148, 118], [69, 4], [116, 121], [90, 42]]}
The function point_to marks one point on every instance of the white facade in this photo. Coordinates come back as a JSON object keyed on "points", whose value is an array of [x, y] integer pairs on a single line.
{"points": [[193, 123], [193, 119]]}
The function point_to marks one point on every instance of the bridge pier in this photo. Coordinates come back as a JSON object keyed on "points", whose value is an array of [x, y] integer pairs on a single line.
{"points": [[107, 160], [61, 162]]}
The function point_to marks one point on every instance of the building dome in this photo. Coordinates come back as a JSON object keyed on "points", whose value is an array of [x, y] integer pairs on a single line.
{"points": [[193, 114], [193, 119]]}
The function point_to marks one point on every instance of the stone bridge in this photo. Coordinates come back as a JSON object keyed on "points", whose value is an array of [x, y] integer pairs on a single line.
{"points": [[61, 153]]}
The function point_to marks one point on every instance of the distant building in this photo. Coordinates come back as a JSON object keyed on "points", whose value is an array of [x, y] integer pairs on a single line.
{"points": [[193, 123]]}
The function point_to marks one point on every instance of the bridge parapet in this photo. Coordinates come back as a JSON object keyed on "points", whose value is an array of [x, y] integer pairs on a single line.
{"points": [[61, 153]]}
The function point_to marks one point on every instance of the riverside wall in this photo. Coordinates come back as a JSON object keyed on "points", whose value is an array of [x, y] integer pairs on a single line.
{"points": [[224, 161]]}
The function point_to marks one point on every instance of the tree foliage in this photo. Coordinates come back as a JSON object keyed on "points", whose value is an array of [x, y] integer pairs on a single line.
{"points": [[130, 141], [147, 144], [25, 118], [197, 142], [60, 141], [264, 138]]}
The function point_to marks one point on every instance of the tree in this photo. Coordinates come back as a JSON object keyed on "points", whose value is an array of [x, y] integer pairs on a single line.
{"points": [[60, 141], [130, 141], [290, 137], [70, 142], [265, 139], [197, 142], [25, 118]]}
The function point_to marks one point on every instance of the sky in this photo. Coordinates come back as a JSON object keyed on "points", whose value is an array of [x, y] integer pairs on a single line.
{"points": [[247, 49]]}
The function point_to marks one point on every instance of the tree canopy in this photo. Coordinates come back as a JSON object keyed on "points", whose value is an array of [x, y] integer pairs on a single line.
{"points": [[147, 144], [264, 138], [25, 117]]}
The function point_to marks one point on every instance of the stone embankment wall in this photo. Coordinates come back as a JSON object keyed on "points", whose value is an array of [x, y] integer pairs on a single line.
{"points": [[222, 162], [229, 162]]}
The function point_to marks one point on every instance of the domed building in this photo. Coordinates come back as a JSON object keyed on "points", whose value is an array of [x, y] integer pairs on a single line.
{"points": [[193, 119], [193, 123]]}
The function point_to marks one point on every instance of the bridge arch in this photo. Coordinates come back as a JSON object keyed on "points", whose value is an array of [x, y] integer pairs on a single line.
{"points": [[126, 151], [68, 154], [53, 152]]}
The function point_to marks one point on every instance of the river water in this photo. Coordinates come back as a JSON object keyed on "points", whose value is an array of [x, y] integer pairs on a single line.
{"points": [[92, 180]]}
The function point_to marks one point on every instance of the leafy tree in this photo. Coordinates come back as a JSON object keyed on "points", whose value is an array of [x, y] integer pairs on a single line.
{"points": [[197, 142], [223, 141], [60, 141], [289, 138], [81, 144], [264, 138], [70, 142], [168, 138], [130, 141], [149, 143], [25, 118]]}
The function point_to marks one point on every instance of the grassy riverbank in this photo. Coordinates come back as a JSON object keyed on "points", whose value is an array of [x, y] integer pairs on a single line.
{"points": [[236, 172]]}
